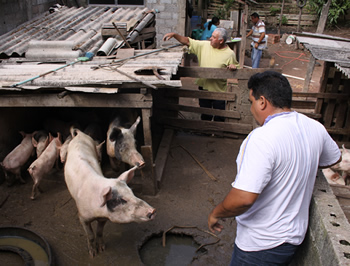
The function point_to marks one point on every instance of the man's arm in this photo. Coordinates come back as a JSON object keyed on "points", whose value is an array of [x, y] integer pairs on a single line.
{"points": [[249, 33], [181, 39], [235, 203]]}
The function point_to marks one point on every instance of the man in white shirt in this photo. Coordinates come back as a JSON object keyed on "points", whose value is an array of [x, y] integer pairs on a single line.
{"points": [[259, 39], [276, 171]]}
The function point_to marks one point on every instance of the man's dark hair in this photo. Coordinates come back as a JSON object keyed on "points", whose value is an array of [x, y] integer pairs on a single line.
{"points": [[273, 86], [255, 15]]}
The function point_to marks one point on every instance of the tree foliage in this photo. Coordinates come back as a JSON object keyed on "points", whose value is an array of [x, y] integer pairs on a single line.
{"points": [[337, 10]]}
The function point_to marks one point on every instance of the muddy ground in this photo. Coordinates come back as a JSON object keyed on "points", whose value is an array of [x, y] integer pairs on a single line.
{"points": [[187, 194]]}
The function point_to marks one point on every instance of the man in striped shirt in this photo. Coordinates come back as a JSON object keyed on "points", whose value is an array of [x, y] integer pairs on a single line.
{"points": [[259, 39]]}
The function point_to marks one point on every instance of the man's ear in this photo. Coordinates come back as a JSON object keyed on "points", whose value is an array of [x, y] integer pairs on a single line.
{"points": [[263, 102]]}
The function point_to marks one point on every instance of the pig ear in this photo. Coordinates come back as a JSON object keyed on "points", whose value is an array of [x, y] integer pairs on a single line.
{"points": [[105, 195], [134, 126], [99, 146], [115, 134], [34, 142], [344, 149], [128, 175]]}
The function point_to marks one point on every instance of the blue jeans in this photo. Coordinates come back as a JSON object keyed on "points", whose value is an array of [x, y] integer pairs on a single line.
{"points": [[256, 55], [280, 255]]}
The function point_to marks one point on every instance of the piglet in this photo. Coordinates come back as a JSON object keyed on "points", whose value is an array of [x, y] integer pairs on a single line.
{"points": [[99, 198], [64, 148], [42, 165], [40, 141], [121, 144], [14, 161]]}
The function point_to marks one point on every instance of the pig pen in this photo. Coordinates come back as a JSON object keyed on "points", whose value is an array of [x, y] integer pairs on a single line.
{"points": [[186, 197]]}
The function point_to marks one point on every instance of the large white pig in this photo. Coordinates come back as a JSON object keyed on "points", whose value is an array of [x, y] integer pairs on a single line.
{"points": [[121, 144], [43, 165], [14, 161], [99, 198]]}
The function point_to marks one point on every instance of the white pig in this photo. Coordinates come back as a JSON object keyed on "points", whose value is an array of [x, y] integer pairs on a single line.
{"points": [[121, 144], [333, 177], [40, 141], [99, 198], [14, 161], [42, 165], [64, 148], [344, 166]]}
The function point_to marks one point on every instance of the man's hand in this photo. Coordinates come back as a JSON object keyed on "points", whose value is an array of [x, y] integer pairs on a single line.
{"points": [[168, 36], [256, 45], [213, 224], [232, 67]]}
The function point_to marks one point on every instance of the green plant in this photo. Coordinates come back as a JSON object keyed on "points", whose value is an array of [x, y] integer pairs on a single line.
{"points": [[284, 20], [224, 11], [337, 9], [274, 11]]}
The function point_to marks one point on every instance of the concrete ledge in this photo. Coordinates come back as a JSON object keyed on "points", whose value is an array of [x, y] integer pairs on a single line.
{"points": [[327, 241]]}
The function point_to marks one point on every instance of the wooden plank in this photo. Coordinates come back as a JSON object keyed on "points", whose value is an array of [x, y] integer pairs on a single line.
{"points": [[162, 154], [323, 86], [303, 104], [149, 184], [146, 122], [329, 113], [200, 110], [200, 94], [203, 126], [323, 95], [77, 100], [339, 131], [220, 73]]}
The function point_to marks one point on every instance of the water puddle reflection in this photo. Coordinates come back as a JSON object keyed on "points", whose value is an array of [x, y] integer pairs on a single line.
{"points": [[179, 250]]}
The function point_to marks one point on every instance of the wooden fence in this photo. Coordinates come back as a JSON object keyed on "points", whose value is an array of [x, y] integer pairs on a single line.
{"points": [[330, 106]]}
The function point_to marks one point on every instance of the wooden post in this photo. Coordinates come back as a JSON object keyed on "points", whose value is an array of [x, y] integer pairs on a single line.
{"points": [[244, 19], [310, 69], [299, 19], [323, 18], [281, 15]]}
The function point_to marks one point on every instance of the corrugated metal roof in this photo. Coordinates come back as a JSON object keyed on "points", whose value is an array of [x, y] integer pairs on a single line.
{"points": [[329, 50], [53, 43], [81, 27]]}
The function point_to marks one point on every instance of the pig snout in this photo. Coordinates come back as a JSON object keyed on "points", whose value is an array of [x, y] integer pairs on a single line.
{"points": [[138, 161], [151, 214]]}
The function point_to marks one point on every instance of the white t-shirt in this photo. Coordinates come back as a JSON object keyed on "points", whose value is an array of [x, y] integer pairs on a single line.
{"points": [[279, 161]]}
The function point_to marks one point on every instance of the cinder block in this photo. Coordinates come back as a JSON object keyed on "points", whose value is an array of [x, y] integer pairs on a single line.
{"points": [[273, 38]]}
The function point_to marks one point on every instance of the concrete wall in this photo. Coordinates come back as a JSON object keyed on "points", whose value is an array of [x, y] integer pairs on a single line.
{"points": [[171, 16], [327, 241], [15, 12]]}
